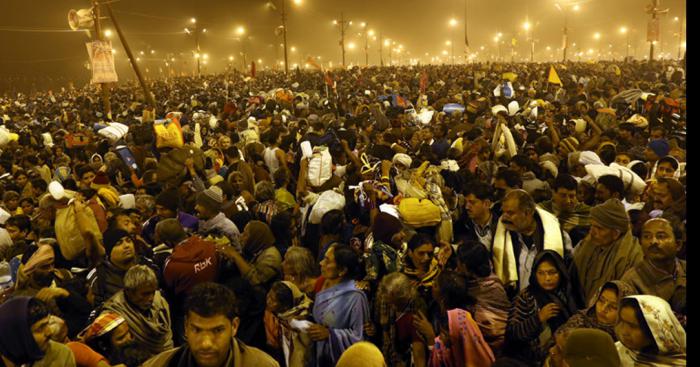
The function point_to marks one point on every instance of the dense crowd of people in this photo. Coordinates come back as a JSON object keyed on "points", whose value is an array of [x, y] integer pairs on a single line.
{"points": [[467, 215]]}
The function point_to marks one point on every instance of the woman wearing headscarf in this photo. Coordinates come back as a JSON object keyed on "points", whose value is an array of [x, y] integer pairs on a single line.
{"points": [[288, 309], [601, 314], [602, 310], [261, 262], [459, 342], [540, 309], [649, 333], [25, 337]]}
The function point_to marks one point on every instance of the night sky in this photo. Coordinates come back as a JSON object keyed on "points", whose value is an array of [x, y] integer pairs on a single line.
{"points": [[420, 26]]}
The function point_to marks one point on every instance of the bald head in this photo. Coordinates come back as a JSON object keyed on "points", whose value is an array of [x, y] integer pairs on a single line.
{"points": [[170, 232]]}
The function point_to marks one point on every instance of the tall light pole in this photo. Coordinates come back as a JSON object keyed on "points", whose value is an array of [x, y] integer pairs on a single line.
{"points": [[565, 10], [654, 11], [596, 37], [196, 31], [453, 23], [368, 33], [527, 26], [625, 31], [381, 44], [343, 24], [240, 32], [497, 40], [680, 32], [283, 16]]}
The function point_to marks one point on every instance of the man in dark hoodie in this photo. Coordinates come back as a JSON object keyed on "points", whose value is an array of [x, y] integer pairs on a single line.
{"points": [[193, 261], [120, 255]]}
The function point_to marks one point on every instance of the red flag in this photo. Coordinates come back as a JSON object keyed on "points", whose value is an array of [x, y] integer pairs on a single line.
{"points": [[329, 80], [252, 69], [313, 63], [423, 82]]}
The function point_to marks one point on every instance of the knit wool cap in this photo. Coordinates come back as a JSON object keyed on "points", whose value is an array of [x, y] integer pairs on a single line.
{"points": [[611, 214], [111, 237], [168, 199], [570, 144], [211, 199], [660, 147], [590, 347]]}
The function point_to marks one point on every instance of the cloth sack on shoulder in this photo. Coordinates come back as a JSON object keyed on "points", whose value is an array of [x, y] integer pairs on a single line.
{"points": [[114, 131], [169, 132], [633, 183], [327, 201], [72, 226], [320, 166], [171, 167], [419, 212]]}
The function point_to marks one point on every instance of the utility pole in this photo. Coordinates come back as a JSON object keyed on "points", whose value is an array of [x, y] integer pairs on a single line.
{"points": [[146, 92], [284, 34], [381, 44], [367, 45], [98, 36], [680, 32], [343, 26], [197, 31], [653, 30], [566, 32]]}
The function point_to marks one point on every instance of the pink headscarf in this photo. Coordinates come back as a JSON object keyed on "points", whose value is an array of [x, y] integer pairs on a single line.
{"points": [[468, 347]]}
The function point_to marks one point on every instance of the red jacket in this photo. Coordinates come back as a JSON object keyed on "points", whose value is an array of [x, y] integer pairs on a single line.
{"points": [[192, 262]]}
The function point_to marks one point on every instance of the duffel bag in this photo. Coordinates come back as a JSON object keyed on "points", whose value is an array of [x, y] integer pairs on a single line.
{"points": [[419, 212]]}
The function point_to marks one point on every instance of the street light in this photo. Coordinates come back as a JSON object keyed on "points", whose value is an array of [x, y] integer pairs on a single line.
{"points": [[565, 36], [624, 31], [108, 33], [527, 26], [596, 36], [196, 31], [453, 23]]}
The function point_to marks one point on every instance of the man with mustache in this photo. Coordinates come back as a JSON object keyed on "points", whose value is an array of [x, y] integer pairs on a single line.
{"points": [[661, 273], [524, 230]]}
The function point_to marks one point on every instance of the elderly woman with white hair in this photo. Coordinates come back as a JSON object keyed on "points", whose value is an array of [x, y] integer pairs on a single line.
{"points": [[144, 309]]}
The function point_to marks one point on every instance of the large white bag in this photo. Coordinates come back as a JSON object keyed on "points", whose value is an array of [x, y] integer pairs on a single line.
{"points": [[114, 131], [633, 183], [320, 167], [327, 201]]}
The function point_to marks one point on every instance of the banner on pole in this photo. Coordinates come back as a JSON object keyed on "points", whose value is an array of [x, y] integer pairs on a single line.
{"points": [[101, 62], [653, 30]]}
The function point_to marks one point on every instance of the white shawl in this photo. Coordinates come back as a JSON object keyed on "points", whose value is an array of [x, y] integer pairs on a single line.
{"points": [[504, 261]]}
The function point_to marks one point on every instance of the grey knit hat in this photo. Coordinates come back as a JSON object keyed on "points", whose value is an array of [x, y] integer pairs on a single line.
{"points": [[611, 214], [211, 199]]}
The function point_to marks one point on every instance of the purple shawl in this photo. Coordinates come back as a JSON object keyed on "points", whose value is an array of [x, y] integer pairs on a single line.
{"points": [[343, 309]]}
